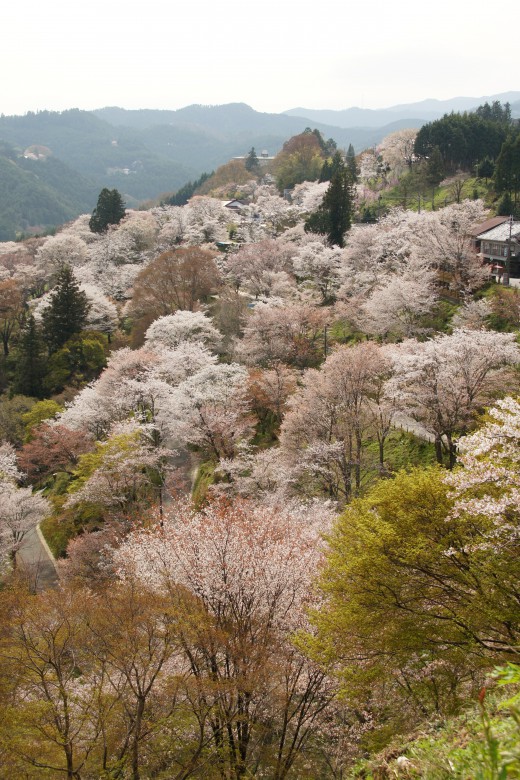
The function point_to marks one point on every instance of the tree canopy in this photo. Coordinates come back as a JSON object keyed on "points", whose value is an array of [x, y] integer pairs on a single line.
{"points": [[66, 314], [110, 210]]}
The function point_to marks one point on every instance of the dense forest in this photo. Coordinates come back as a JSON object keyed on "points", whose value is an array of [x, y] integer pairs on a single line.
{"points": [[271, 440]]}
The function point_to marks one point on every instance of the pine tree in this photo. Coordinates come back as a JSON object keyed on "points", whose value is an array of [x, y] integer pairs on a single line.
{"points": [[67, 312], [110, 210], [30, 363]]}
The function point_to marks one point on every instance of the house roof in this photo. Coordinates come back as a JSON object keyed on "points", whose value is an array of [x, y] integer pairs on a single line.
{"points": [[489, 224], [230, 204], [501, 232]]}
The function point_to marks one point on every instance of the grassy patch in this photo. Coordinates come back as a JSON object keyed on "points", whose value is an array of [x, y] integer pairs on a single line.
{"points": [[204, 479], [57, 532], [482, 743]]}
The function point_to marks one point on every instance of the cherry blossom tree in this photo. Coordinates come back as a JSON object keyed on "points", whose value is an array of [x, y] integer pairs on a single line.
{"points": [[473, 314], [276, 213], [137, 383], [446, 241], [319, 265], [397, 149], [115, 259], [323, 434], [184, 326], [444, 382], [9, 471], [291, 333], [62, 249], [210, 410], [262, 269], [142, 227], [52, 448], [120, 470], [20, 511], [308, 195], [488, 485], [245, 572], [398, 306], [262, 475], [174, 228]]}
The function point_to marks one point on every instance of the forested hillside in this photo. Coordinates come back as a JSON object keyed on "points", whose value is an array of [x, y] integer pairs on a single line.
{"points": [[273, 446], [146, 153]]}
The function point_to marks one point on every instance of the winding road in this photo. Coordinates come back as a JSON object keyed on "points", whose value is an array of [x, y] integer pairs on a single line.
{"points": [[37, 562]]}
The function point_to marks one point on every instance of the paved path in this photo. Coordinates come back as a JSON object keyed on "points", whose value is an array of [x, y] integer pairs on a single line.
{"points": [[406, 423], [35, 559]]}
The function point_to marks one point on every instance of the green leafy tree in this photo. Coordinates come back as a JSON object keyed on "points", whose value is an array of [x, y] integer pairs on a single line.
{"points": [[67, 312], [76, 362], [110, 210], [42, 410], [421, 586], [301, 159]]}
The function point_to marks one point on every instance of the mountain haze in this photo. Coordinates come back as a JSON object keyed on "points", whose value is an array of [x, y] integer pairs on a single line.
{"points": [[422, 112], [144, 153]]}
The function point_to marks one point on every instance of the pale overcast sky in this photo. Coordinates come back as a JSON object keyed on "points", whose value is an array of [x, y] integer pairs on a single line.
{"points": [[273, 55]]}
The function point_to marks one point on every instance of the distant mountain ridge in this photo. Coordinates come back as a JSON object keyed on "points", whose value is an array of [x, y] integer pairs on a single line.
{"points": [[145, 153], [423, 111]]}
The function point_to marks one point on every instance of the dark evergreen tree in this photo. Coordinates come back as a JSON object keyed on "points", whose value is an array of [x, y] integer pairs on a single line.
{"points": [[67, 312], [110, 210], [465, 139], [331, 166], [183, 195], [30, 363], [351, 163], [251, 163], [505, 206], [326, 171], [507, 169], [334, 216], [486, 169], [435, 168]]}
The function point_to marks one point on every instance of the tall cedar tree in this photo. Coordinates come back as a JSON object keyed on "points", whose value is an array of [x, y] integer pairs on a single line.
{"points": [[110, 210], [251, 163], [30, 362], [67, 312], [351, 163], [334, 216]]}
